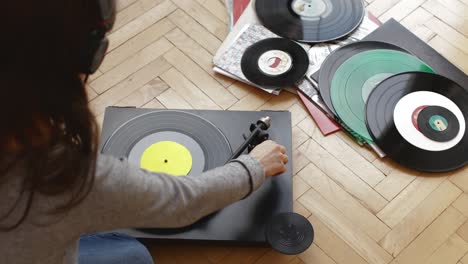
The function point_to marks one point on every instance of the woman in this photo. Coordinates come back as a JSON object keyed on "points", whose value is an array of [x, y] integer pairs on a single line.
{"points": [[54, 185]]}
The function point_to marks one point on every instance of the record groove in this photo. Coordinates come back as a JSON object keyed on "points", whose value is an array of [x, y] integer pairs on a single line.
{"points": [[289, 233], [214, 144], [380, 112], [358, 76], [275, 63], [438, 123], [338, 57], [311, 20]]}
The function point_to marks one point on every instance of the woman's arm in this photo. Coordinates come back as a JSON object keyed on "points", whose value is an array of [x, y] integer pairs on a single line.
{"points": [[125, 196]]}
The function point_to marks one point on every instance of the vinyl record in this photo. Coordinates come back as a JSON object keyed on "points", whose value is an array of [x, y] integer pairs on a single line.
{"points": [[390, 109], [438, 123], [338, 57], [355, 79], [289, 233], [275, 63], [206, 144], [311, 20]]}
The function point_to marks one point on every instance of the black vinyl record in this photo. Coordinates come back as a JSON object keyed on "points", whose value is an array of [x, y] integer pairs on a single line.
{"points": [[208, 145], [390, 120], [275, 63], [214, 145], [338, 57], [289, 233], [438, 123], [311, 21]]}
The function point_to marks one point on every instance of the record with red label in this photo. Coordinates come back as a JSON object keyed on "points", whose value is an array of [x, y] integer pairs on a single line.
{"points": [[420, 120], [275, 63]]}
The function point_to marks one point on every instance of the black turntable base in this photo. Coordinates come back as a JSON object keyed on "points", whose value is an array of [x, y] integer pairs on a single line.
{"points": [[127, 132]]}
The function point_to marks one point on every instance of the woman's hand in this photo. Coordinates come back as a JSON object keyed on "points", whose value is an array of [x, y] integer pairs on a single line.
{"points": [[271, 156]]}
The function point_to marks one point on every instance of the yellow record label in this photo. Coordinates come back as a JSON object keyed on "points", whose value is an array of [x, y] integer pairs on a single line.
{"points": [[167, 157]]}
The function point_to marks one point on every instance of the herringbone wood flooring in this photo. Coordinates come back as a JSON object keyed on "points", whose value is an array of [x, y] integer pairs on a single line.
{"points": [[365, 210]]}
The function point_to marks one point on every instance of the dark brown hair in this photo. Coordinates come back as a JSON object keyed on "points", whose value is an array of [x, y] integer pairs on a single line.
{"points": [[45, 121]]}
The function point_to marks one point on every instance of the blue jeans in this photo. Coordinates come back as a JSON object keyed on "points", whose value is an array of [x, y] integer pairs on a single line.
{"points": [[112, 248]]}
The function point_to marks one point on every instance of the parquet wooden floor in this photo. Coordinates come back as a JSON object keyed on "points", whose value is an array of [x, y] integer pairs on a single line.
{"points": [[364, 210]]}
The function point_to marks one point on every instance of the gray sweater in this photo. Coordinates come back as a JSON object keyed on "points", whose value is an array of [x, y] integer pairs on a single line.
{"points": [[122, 196]]}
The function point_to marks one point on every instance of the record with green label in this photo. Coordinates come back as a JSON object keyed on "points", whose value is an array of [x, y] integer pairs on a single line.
{"points": [[355, 79]]}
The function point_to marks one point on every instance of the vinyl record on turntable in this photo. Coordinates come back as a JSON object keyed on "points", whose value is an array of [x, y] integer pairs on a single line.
{"points": [[275, 63], [311, 20], [338, 57], [420, 120], [355, 79], [172, 142]]}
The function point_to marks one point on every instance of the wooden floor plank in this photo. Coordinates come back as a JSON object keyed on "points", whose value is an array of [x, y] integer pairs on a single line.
{"points": [[457, 57], [315, 255], [462, 204], [432, 238], [450, 252], [409, 199], [298, 113], [299, 187], [332, 245], [463, 232], [197, 53], [172, 100], [448, 33], [273, 257], [200, 78], [415, 22], [138, 61], [195, 31], [134, 11], [202, 16], [365, 152], [136, 26], [299, 161], [255, 100], [300, 209], [153, 104], [191, 93], [379, 7], [401, 10], [350, 158], [340, 199], [343, 176], [454, 20], [395, 182], [216, 8], [145, 94], [459, 7], [140, 41], [461, 179], [464, 260], [299, 137], [335, 220], [129, 85], [419, 218], [122, 4]]}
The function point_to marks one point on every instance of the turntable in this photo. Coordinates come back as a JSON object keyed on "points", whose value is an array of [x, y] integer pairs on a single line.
{"points": [[208, 138]]}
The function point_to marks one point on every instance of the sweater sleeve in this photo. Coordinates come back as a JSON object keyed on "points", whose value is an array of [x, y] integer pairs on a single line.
{"points": [[125, 196]]}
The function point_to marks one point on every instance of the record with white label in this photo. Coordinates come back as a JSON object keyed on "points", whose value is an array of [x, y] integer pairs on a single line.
{"points": [[311, 21], [275, 63], [420, 120]]}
